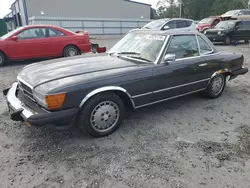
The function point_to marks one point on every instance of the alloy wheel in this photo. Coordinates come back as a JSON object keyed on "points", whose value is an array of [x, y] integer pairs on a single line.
{"points": [[104, 116], [217, 84], [72, 52]]}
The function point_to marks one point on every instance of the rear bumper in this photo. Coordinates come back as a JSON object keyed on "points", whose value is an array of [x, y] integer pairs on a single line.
{"points": [[241, 71], [238, 72], [21, 112]]}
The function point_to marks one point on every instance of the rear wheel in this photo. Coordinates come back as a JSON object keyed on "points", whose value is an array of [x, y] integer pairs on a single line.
{"points": [[216, 86], [227, 40], [2, 59], [70, 51], [101, 115]]}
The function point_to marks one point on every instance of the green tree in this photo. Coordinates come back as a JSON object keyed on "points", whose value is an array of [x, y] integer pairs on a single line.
{"points": [[198, 9]]}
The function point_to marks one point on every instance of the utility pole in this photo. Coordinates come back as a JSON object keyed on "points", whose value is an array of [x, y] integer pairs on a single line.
{"points": [[248, 4], [180, 2]]}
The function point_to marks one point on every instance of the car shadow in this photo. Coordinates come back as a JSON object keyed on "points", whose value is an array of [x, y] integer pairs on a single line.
{"points": [[132, 123]]}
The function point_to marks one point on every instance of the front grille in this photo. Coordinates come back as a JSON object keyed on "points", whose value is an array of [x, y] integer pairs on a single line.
{"points": [[27, 91]]}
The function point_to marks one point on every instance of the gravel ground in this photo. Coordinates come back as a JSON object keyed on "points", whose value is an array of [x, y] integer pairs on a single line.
{"points": [[186, 143]]}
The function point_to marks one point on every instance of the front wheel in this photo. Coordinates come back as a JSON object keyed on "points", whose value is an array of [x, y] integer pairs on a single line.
{"points": [[216, 86], [2, 59], [101, 115], [227, 40]]}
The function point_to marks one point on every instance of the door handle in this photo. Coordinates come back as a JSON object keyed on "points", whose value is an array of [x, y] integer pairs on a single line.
{"points": [[203, 65]]}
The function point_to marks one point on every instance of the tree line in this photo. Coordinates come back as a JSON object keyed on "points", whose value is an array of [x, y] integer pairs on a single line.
{"points": [[195, 9]]}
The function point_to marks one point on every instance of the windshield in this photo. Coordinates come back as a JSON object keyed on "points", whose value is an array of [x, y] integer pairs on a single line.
{"points": [[10, 33], [154, 24], [141, 46], [206, 21], [225, 25]]}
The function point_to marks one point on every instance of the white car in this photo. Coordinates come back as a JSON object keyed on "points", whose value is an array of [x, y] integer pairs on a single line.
{"points": [[171, 23]]}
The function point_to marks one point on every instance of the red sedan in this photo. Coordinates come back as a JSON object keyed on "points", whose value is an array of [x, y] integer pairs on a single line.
{"points": [[42, 41]]}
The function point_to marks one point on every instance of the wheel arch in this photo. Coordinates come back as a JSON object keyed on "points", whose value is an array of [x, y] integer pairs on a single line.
{"points": [[225, 72], [119, 91], [4, 54]]}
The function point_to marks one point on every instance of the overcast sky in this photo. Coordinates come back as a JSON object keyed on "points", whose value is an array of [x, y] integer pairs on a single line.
{"points": [[5, 5]]}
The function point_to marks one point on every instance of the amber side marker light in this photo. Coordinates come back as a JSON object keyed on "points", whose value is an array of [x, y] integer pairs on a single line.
{"points": [[55, 101]]}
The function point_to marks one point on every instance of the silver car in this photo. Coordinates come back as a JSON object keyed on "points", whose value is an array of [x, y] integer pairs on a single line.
{"points": [[172, 23]]}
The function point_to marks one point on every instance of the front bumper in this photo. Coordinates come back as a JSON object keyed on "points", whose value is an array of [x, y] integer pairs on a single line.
{"points": [[216, 38], [35, 116]]}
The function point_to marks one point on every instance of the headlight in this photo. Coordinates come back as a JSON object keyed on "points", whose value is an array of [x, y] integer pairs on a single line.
{"points": [[40, 97], [51, 101], [219, 32]]}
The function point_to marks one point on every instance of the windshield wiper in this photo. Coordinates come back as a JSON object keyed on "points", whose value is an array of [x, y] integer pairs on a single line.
{"points": [[128, 53], [141, 58]]}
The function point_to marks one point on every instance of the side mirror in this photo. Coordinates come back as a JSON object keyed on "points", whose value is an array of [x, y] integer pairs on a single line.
{"points": [[14, 38], [166, 27], [169, 58], [236, 28]]}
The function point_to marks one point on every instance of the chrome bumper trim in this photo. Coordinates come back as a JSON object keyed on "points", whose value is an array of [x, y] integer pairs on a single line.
{"points": [[16, 104]]}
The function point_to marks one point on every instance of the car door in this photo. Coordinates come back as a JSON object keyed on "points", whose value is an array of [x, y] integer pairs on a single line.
{"points": [[183, 75], [210, 64], [56, 42], [240, 32], [247, 27], [29, 45]]}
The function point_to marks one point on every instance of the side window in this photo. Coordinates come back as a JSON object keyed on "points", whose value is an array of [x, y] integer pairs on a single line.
{"points": [[247, 25], [171, 24], [181, 24], [204, 47], [216, 21], [55, 33], [245, 12], [183, 46], [32, 33], [241, 25], [188, 23]]}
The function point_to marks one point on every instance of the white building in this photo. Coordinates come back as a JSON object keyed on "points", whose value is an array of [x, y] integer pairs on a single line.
{"points": [[96, 16]]}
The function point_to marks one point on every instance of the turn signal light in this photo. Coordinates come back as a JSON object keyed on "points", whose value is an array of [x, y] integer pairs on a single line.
{"points": [[56, 101]]}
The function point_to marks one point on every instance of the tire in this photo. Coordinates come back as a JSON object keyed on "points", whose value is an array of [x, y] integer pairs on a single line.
{"points": [[102, 110], [216, 86], [70, 51], [2, 59], [227, 40]]}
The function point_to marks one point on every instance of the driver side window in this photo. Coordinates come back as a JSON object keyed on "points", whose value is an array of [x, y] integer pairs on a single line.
{"points": [[171, 24], [32, 33], [183, 46]]}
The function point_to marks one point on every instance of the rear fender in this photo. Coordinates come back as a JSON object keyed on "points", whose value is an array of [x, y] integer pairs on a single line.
{"points": [[225, 71]]}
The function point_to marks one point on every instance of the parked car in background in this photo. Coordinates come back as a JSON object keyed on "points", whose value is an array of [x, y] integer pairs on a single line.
{"points": [[143, 68], [234, 13], [42, 41], [196, 21], [228, 31], [208, 23], [171, 23]]}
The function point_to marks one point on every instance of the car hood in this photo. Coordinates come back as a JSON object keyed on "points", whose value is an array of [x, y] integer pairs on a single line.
{"points": [[48, 71]]}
